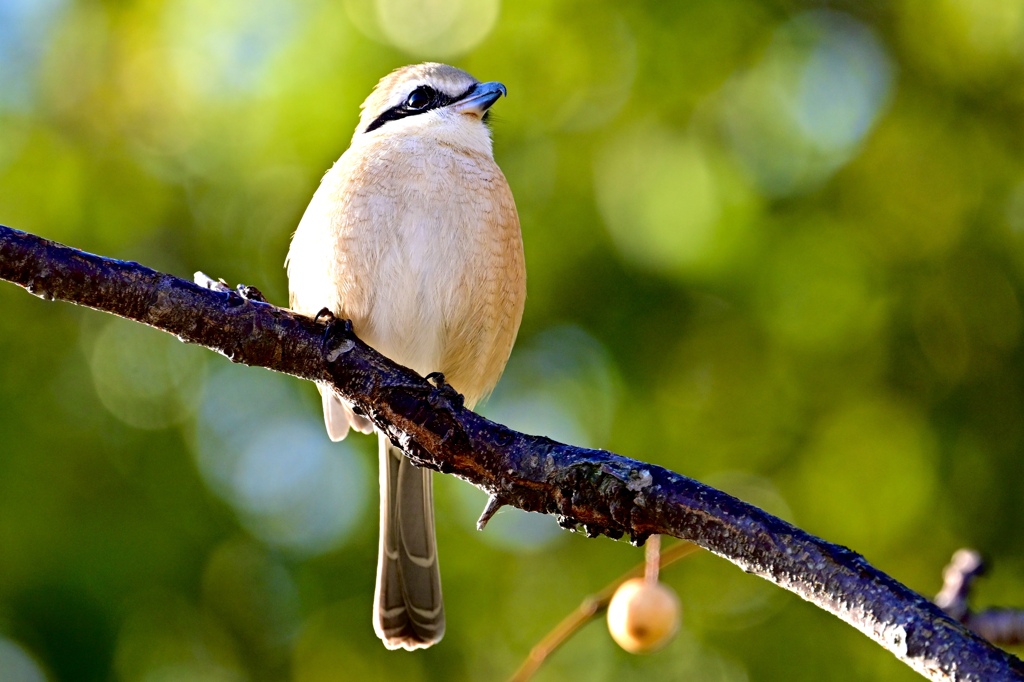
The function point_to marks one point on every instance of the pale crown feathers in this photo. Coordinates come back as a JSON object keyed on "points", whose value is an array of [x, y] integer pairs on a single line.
{"points": [[433, 100]]}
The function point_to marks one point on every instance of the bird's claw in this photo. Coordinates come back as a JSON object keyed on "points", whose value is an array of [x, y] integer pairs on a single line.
{"points": [[338, 334], [325, 316], [244, 291], [443, 391], [250, 293]]}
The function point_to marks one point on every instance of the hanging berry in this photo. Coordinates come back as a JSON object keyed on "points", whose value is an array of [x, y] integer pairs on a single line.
{"points": [[644, 614]]}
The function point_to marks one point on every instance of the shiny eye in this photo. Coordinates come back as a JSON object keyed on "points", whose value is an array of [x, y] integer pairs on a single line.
{"points": [[420, 98]]}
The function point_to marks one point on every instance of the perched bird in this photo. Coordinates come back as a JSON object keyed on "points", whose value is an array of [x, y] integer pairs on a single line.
{"points": [[413, 235]]}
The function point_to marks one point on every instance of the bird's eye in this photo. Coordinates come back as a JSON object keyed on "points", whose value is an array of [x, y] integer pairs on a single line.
{"points": [[420, 98]]}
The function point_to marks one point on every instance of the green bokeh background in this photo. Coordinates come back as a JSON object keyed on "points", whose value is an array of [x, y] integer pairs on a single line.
{"points": [[775, 247]]}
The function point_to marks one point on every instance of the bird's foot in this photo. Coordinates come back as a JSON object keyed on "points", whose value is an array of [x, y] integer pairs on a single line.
{"points": [[325, 316], [244, 291], [250, 293], [443, 391], [338, 335]]}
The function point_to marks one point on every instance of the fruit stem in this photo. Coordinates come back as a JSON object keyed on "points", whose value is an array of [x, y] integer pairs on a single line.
{"points": [[652, 557]]}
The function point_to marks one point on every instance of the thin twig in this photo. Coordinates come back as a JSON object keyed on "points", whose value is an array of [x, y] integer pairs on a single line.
{"points": [[1003, 626]]}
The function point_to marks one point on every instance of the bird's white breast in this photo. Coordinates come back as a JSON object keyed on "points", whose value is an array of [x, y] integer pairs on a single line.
{"points": [[413, 242]]}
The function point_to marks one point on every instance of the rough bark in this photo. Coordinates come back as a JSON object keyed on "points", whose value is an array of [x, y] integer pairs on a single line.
{"points": [[593, 491]]}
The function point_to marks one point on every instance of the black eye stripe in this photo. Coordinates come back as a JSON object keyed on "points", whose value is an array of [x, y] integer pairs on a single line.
{"points": [[438, 100]]}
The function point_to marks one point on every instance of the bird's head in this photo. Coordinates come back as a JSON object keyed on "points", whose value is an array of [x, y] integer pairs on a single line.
{"points": [[430, 101]]}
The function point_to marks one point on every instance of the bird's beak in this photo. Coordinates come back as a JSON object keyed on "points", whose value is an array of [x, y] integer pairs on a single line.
{"points": [[478, 100]]}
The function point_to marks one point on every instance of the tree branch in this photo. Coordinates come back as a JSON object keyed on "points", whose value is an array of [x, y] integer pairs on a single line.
{"points": [[593, 491]]}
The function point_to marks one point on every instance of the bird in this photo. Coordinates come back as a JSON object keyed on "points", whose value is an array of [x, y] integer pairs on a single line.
{"points": [[413, 235]]}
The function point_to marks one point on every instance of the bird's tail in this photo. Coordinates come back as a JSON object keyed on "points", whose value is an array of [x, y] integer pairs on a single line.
{"points": [[409, 611]]}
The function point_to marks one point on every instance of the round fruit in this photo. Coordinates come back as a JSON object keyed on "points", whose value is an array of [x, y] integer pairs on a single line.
{"points": [[643, 616]]}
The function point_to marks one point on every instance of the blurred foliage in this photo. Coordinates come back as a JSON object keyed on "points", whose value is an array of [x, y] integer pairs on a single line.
{"points": [[773, 246]]}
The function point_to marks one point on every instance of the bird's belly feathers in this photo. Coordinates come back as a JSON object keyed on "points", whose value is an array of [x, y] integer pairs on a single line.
{"points": [[426, 260], [418, 291]]}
